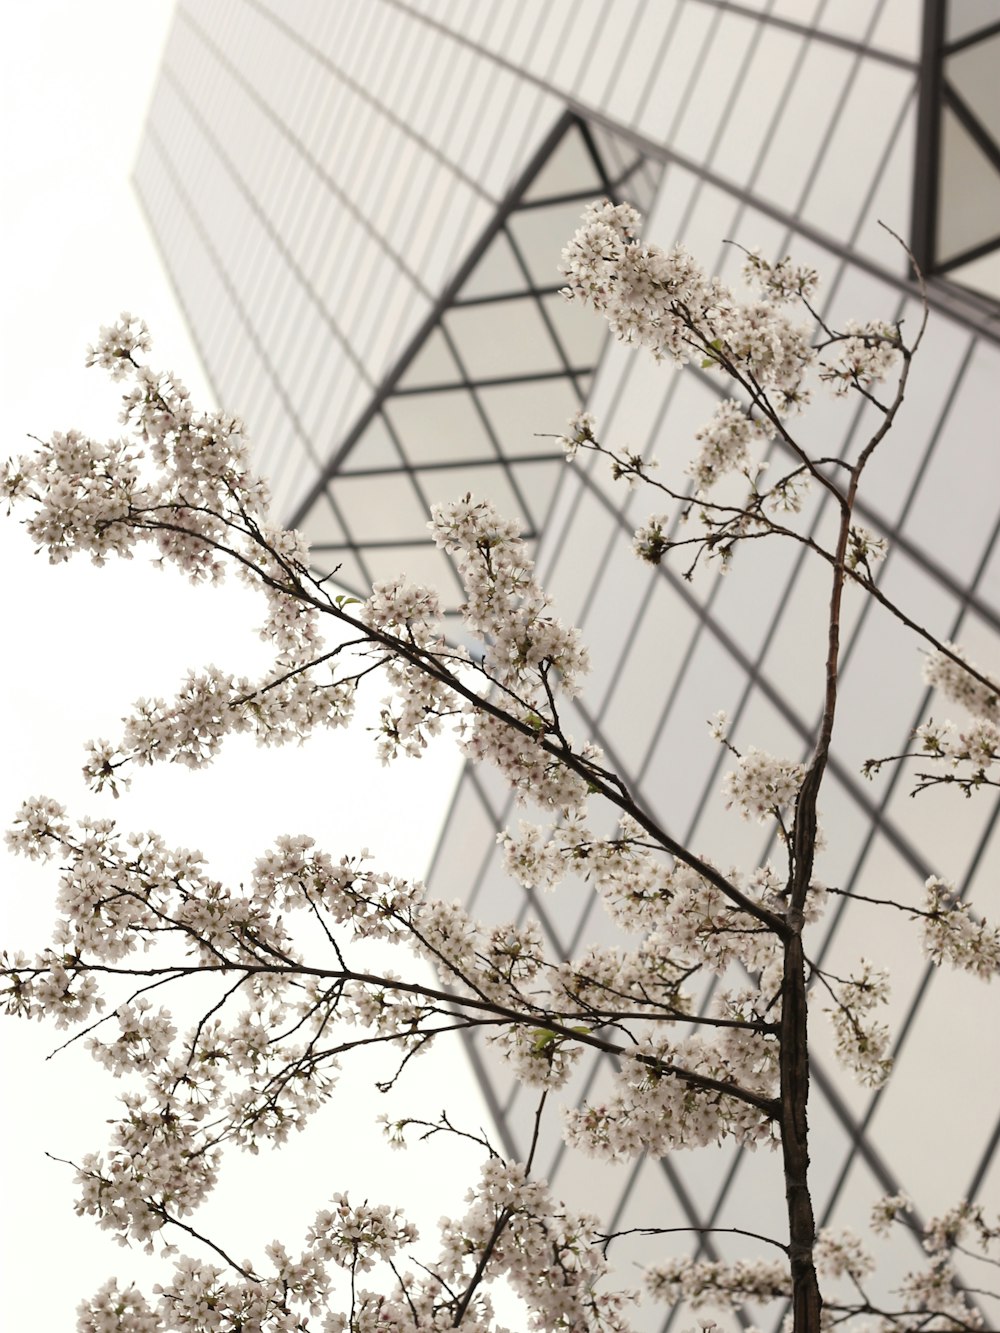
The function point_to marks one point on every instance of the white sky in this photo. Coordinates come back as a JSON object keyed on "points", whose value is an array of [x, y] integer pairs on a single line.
{"points": [[81, 644]]}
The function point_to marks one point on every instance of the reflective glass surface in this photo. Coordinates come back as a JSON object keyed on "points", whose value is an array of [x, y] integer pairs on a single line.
{"points": [[362, 206]]}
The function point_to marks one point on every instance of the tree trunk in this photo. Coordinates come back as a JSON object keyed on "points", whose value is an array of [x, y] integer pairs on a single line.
{"points": [[806, 1302]]}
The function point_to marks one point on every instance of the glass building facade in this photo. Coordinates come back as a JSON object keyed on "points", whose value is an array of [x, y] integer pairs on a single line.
{"points": [[362, 205]]}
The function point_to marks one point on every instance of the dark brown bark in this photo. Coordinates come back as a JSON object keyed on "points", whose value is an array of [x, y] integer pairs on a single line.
{"points": [[806, 1301]]}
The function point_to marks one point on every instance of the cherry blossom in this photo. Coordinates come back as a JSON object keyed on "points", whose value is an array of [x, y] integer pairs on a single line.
{"points": [[284, 1014]]}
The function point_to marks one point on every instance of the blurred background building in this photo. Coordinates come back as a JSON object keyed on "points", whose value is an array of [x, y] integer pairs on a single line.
{"points": [[362, 205]]}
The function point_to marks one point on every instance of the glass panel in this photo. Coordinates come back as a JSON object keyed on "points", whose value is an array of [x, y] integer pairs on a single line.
{"points": [[675, 790], [543, 55], [973, 72], [321, 524], [679, 62], [375, 449], [349, 575], [384, 508], [640, 61], [540, 234], [720, 72], [502, 338], [518, 412], [581, 333], [537, 483], [816, 94], [527, 119], [422, 563], [913, 1105], [433, 364], [642, 183], [893, 192], [489, 483], [569, 577], [968, 16], [574, 47], [498, 271], [648, 671], [982, 275], [463, 217], [570, 170], [943, 830], [479, 157], [616, 597], [849, 18], [955, 509], [458, 859], [968, 191], [439, 427], [405, 309], [854, 154]]}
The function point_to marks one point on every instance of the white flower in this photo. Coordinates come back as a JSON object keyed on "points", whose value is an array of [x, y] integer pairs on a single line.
{"points": [[762, 786]]}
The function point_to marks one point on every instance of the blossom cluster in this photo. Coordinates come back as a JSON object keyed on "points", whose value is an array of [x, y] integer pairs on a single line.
{"points": [[651, 541], [645, 892], [512, 1221], [725, 442], [976, 745], [864, 356], [580, 431], [952, 934], [655, 1109], [935, 1292], [861, 1042], [722, 1285], [965, 755], [528, 656], [864, 549], [781, 281], [119, 894], [946, 674], [420, 701], [182, 484], [663, 301], [505, 606], [264, 1056], [761, 786]]}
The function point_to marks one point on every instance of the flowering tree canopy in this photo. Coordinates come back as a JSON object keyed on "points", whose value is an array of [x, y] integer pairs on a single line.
{"points": [[284, 953]]}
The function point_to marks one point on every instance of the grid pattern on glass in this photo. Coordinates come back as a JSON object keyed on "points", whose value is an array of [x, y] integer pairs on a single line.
{"points": [[957, 198], [736, 90], [752, 658], [327, 195], [501, 358], [346, 148], [860, 1136]]}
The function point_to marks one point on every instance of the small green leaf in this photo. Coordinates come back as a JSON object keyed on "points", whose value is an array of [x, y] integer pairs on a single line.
{"points": [[716, 346], [543, 1037]]}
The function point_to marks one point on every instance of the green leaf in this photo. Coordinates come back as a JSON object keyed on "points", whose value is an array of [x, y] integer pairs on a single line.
{"points": [[543, 1037], [716, 346]]}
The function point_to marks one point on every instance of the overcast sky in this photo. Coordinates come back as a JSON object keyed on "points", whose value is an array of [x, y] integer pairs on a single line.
{"points": [[80, 645]]}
